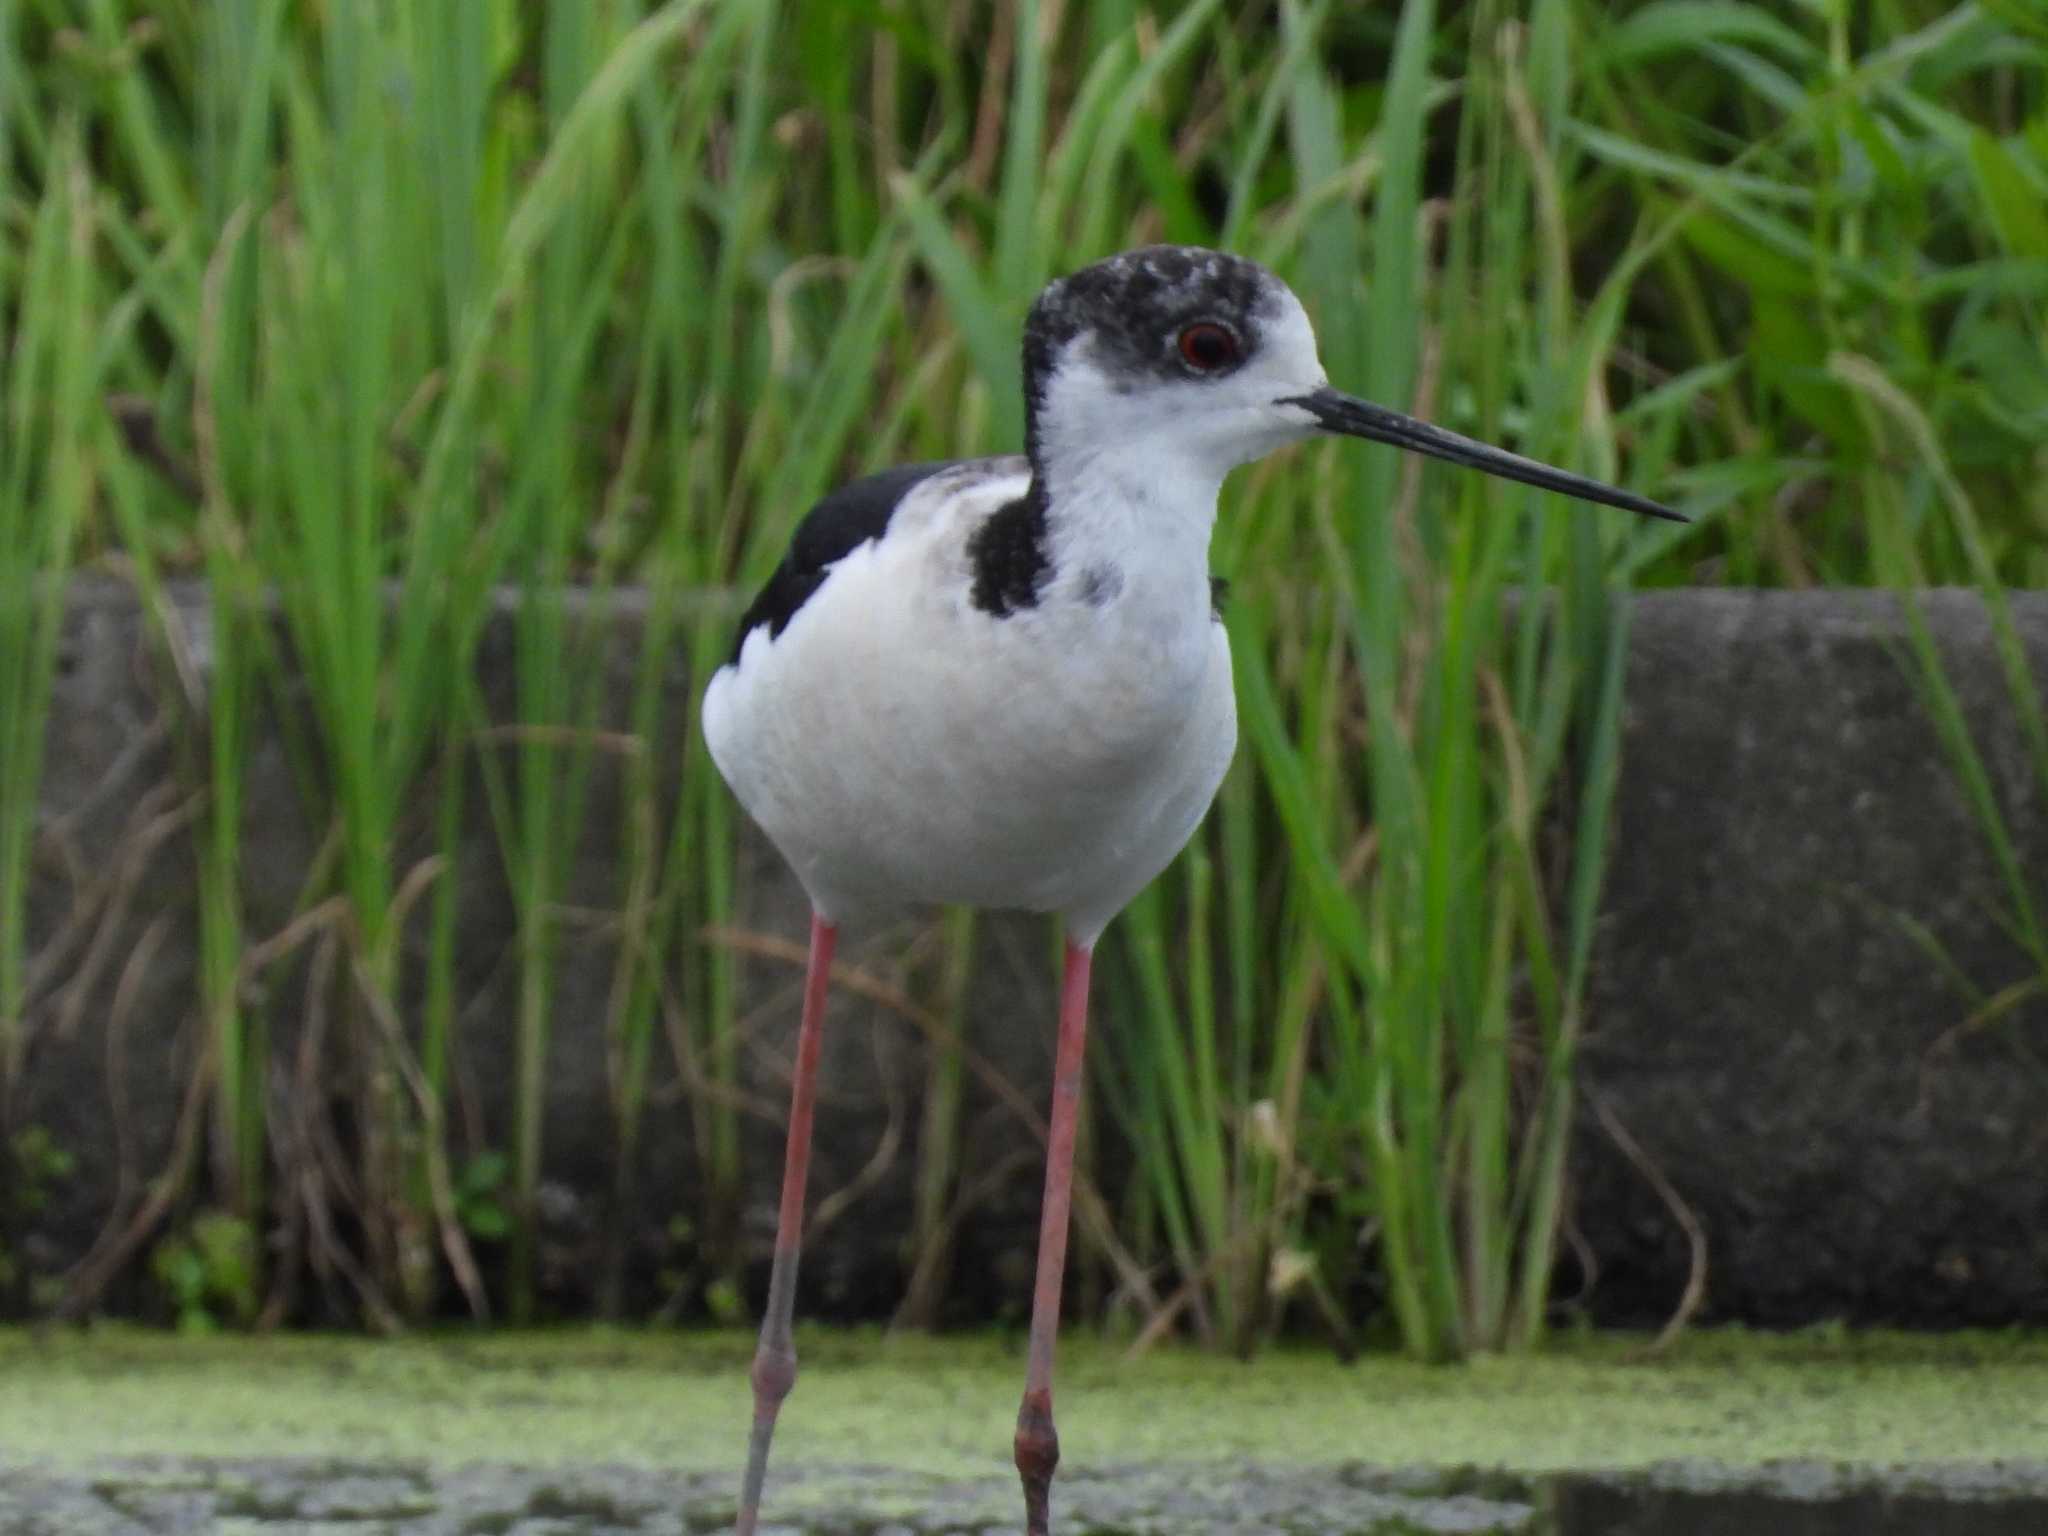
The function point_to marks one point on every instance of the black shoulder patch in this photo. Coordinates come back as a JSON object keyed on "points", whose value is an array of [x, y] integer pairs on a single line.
{"points": [[1219, 589], [830, 531], [1009, 554]]}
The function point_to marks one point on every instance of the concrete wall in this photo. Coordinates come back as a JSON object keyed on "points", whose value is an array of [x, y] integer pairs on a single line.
{"points": [[1766, 1034], [1765, 1023]]}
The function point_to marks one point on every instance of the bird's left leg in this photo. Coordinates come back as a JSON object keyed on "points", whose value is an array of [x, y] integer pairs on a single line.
{"points": [[775, 1358], [1038, 1442]]}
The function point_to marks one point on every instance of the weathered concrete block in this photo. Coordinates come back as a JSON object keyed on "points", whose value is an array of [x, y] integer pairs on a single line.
{"points": [[112, 943], [116, 1033], [1762, 1022]]}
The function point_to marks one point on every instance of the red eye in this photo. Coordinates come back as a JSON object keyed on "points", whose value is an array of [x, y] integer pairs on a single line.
{"points": [[1207, 346]]}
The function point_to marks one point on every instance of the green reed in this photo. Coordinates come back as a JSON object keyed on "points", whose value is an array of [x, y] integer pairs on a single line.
{"points": [[438, 299]]}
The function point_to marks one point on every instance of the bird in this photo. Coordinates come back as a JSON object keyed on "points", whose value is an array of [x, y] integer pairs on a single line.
{"points": [[1003, 682]]}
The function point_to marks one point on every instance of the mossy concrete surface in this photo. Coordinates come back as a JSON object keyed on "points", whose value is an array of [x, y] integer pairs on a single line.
{"points": [[587, 1431]]}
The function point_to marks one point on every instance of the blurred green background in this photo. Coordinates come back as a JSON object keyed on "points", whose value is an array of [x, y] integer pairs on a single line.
{"points": [[367, 310]]}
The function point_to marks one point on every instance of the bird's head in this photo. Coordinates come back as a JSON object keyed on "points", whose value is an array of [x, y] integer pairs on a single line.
{"points": [[1175, 359]]}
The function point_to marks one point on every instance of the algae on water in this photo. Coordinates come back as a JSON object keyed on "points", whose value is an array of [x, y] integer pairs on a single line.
{"points": [[945, 1407]]}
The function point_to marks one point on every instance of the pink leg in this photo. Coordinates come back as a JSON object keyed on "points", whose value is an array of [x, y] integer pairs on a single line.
{"points": [[775, 1357], [1038, 1443]]}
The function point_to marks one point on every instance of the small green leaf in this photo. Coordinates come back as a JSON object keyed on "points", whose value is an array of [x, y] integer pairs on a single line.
{"points": [[2028, 16], [722, 1301], [1683, 26], [1792, 355], [485, 1172], [1876, 142], [2015, 201], [1742, 256]]}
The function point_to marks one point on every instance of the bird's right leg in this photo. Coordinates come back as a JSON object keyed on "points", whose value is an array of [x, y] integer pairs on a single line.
{"points": [[1038, 1441], [774, 1370]]}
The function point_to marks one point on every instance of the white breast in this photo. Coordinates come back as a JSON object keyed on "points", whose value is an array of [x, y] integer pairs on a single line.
{"points": [[901, 746]]}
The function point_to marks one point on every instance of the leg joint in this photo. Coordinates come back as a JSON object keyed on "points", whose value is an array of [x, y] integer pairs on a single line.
{"points": [[1038, 1442], [774, 1372]]}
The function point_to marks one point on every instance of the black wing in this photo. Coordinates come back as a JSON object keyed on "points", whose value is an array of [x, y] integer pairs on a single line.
{"points": [[830, 531]]}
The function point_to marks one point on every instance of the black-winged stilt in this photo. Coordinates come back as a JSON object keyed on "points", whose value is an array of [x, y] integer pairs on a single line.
{"points": [[1000, 682]]}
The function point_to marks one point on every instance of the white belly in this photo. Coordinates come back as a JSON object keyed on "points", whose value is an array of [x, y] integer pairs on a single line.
{"points": [[900, 746]]}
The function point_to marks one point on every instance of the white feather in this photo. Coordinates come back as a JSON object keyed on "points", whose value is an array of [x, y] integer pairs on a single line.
{"points": [[901, 746]]}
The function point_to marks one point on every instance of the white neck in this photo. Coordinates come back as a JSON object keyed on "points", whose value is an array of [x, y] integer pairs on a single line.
{"points": [[1145, 513]]}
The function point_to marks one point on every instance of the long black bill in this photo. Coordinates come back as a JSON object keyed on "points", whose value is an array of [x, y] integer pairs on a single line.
{"points": [[1336, 411]]}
